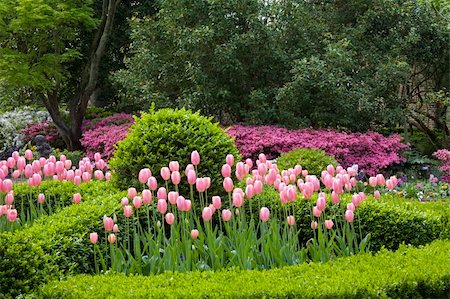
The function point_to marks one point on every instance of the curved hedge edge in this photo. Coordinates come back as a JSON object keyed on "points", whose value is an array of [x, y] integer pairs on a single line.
{"points": [[53, 246], [409, 272]]}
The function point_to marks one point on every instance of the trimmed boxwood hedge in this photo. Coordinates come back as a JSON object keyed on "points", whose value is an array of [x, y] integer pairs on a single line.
{"points": [[390, 220], [407, 273], [55, 245]]}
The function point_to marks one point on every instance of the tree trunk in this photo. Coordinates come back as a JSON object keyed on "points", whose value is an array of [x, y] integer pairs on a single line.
{"points": [[72, 133]]}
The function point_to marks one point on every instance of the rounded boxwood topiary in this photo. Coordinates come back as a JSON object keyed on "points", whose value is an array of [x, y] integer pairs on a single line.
{"points": [[312, 160], [156, 138]]}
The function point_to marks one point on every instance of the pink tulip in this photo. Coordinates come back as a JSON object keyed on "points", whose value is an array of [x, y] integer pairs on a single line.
{"points": [[170, 218], [76, 198], [115, 228], [10, 162], [128, 211], [230, 159], [264, 214], [330, 169], [41, 198], [144, 175], [200, 185], [291, 220], [97, 156], [112, 238], [162, 206], [321, 203], [152, 183], [373, 181], [335, 198], [390, 184], [9, 198], [189, 167], [207, 214], [132, 193], [249, 191], [356, 199], [176, 177], [376, 194], [187, 205], [316, 212], [207, 181], [28, 171], [262, 158], [181, 203], [238, 198], [362, 195], [161, 193], [174, 166], [11, 215], [147, 196], [226, 170], [108, 176], [98, 174], [258, 187], [93, 237], [173, 197], [137, 202], [217, 202], [67, 164], [194, 234], [108, 223], [86, 176], [59, 166], [226, 215], [195, 158], [165, 173], [77, 180], [228, 184], [329, 224], [380, 180], [15, 155], [349, 215], [351, 207], [16, 174], [192, 177], [124, 201], [29, 155], [314, 225]]}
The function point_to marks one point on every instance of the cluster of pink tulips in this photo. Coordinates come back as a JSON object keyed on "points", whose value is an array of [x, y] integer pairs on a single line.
{"points": [[162, 230], [19, 168]]}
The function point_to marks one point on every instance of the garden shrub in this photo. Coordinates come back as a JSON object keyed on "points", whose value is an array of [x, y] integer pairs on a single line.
{"points": [[407, 273], [310, 159], [74, 156], [45, 128], [168, 135], [443, 155], [54, 245], [101, 136], [391, 221], [371, 151], [12, 122], [60, 191]]}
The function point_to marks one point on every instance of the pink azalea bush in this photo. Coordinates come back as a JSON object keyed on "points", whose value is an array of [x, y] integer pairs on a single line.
{"points": [[443, 155], [45, 128], [371, 151], [103, 135]]}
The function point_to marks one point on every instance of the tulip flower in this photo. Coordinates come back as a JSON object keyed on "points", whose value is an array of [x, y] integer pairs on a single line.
{"points": [[93, 237], [194, 234], [264, 214], [195, 158], [329, 224], [170, 218]]}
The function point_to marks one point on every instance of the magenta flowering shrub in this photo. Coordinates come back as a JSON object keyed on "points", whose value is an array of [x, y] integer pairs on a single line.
{"points": [[371, 151], [101, 136], [45, 128], [443, 155]]}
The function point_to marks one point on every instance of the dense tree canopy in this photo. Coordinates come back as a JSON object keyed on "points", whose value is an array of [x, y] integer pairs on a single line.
{"points": [[356, 65]]}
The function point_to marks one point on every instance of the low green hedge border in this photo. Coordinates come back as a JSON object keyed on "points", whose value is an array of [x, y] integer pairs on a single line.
{"points": [[407, 273], [55, 245]]}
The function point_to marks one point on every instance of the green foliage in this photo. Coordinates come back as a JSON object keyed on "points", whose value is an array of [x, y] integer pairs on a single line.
{"points": [[171, 135], [409, 272], [37, 59], [312, 160], [391, 221], [54, 245], [74, 156]]}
